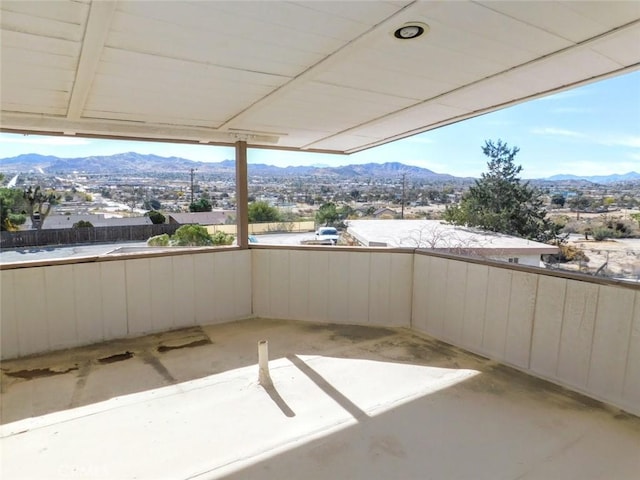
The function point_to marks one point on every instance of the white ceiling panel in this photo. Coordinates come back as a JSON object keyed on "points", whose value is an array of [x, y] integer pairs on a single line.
{"points": [[68, 12], [392, 127], [306, 74], [553, 17], [610, 14], [621, 46], [470, 18], [38, 43]]}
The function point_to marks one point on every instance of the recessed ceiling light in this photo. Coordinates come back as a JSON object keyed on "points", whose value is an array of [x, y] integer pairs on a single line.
{"points": [[410, 30]]}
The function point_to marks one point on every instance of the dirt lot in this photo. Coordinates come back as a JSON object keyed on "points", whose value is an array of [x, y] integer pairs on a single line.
{"points": [[621, 256]]}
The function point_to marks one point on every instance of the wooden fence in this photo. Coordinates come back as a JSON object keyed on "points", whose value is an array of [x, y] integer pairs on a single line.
{"points": [[71, 236]]}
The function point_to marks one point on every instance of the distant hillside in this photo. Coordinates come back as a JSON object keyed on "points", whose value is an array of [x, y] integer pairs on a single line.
{"points": [[132, 163], [135, 163], [627, 177]]}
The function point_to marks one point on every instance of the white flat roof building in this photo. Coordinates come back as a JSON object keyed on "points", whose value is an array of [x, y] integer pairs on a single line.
{"points": [[439, 236]]}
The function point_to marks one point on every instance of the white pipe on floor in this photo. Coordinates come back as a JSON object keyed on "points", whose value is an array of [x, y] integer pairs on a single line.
{"points": [[263, 363]]}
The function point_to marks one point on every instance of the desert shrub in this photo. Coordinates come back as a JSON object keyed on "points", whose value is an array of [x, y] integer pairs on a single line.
{"points": [[571, 253], [221, 238], [159, 241], [600, 234], [568, 253], [572, 227], [561, 220], [621, 227], [191, 236]]}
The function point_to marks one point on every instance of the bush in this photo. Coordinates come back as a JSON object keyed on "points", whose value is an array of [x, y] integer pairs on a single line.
{"points": [[600, 234], [221, 238], [159, 241], [156, 217], [570, 253], [201, 205], [83, 224], [192, 236]]}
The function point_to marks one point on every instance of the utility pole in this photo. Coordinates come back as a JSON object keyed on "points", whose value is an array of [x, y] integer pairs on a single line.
{"points": [[192, 173], [402, 208]]}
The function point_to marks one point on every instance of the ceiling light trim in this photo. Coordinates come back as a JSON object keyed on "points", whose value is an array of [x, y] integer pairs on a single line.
{"points": [[410, 31]]}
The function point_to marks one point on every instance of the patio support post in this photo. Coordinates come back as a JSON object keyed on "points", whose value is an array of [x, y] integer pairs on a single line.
{"points": [[242, 195]]}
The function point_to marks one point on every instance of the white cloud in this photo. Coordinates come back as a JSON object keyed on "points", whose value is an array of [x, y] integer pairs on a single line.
{"points": [[557, 132], [632, 141]]}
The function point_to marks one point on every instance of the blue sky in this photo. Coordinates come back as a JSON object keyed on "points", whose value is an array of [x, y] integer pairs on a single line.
{"points": [[592, 130]]}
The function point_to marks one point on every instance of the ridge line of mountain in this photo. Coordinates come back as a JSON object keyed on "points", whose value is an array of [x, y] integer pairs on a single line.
{"points": [[132, 162]]}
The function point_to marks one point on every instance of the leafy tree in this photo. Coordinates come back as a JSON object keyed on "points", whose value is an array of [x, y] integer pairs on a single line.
{"points": [[39, 205], [83, 224], [156, 217], [11, 205], [327, 214], [261, 211], [331, 215], [192, 236], [201, 205], [558, 200], [579, 203], [499, 202]]}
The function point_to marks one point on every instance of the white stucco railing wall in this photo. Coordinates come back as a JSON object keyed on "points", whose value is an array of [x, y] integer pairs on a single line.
{"points": [[60, 306], [330, 285], [580, 334]]}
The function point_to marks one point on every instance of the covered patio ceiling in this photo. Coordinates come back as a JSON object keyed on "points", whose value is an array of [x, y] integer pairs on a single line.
{"points": [[307, 75]]}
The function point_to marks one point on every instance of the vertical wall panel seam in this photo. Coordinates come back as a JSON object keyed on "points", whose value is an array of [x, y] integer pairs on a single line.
{"points": [[413, 290], [14, 310], [506, 326], [443, 301], [213, 315], [46, 307], [484, 316], [506, 332], [464, 307], [289, 286], [101, 300], [593, 336], [464, 289], [562, 322], [75, 305], [252, 263], [533, 322], [126, 296], [412, 286], [626, 363], [308, 314], [102, 315], [369, 296]]}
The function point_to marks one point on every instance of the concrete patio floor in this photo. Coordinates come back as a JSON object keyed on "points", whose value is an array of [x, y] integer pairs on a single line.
{"points": [[347, 402]]}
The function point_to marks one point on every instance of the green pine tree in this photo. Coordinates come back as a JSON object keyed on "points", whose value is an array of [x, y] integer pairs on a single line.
{"points": [[500, 202]]}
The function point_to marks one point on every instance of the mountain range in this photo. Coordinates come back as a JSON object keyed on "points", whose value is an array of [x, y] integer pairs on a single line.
{"points": [[138, 164], [135, 163], [630, 176]]}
